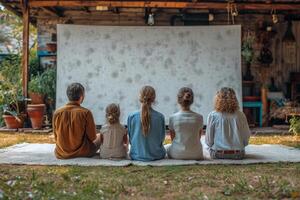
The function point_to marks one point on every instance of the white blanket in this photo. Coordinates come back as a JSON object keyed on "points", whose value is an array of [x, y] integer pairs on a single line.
{"points": [[42, 154]]}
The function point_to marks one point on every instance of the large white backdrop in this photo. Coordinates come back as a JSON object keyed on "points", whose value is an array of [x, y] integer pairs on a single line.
{"points": [[114, 62]]}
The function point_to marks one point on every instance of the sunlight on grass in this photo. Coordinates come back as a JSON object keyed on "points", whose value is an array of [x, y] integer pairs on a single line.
{"points": [[8, 139], [288, 140]]}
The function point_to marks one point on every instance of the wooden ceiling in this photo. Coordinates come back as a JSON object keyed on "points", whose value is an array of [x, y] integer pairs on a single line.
{"points": [[60, 8]]}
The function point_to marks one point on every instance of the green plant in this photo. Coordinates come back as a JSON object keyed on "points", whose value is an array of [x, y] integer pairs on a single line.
{"points": [[10, 86], [36, 84], [34, 65], [295, 125], [49, 82], [247, 49], [44, 83]]}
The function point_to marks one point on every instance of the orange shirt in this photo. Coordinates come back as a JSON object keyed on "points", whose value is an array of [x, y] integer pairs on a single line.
{"points": [[74, 131]]}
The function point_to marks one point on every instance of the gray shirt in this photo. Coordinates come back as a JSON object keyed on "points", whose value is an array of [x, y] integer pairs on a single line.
{"points": [[113, 143], [186, 144], [227, 131]]}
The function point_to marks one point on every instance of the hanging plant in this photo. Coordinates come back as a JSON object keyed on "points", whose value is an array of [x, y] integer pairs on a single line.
{"points": [[247, 49]]}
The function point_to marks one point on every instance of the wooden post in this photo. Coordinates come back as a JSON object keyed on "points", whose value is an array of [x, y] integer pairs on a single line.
{"points": [[25, 47]]}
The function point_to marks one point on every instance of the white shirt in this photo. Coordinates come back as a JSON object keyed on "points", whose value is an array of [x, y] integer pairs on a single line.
{"points": [[227, 131], [186, 144]]}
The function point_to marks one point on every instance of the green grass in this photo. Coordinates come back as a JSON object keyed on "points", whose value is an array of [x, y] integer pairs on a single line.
{"points": [[268, 181], [8, 139], [264, 181]]}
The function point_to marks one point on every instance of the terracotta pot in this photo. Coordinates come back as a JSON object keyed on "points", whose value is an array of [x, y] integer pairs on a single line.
{"points": [[36, 98], [52, 47], [36, 114], [13, 122]]}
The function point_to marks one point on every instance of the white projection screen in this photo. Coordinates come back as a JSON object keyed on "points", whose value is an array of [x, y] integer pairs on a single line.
{"points": [[114, 62]]}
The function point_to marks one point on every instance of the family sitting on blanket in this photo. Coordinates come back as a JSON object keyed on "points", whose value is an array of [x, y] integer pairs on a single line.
{"points": [[227, 131]]}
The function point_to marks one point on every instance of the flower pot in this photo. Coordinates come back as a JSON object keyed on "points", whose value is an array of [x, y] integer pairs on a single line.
{"points": [[51, 47], [13, 122], [36, 98], [36, 114]]}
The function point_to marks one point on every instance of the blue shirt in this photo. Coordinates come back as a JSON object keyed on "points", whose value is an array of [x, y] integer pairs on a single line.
{"points": [[150, 147], [227, 131]]}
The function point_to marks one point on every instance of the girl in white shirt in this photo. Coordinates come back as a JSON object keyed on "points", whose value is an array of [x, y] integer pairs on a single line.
{"points": [[185, 129], [227, 131], [113, 135]]}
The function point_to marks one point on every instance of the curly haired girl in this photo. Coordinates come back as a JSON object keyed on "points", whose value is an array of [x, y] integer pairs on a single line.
{"points": [[227, 131]]}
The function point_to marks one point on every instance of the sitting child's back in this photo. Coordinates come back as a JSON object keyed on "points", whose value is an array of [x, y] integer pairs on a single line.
{"points": [[114, 136], [113, 141]]}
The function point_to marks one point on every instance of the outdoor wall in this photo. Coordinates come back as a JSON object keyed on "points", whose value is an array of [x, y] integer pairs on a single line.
{"points": [[47, 25], [113, 63]]}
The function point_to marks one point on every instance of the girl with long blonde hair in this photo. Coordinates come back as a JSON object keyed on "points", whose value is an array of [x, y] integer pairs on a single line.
{"points": [[227, 131], [146, 129]]}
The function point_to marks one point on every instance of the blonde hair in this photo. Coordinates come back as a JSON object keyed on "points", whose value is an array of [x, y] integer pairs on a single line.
{"points": [[147, 97], [226, 101], [112, 113], [185, 97]]}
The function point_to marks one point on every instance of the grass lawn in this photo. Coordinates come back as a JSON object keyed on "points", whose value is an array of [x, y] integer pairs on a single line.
{"points": [[264, 181]]}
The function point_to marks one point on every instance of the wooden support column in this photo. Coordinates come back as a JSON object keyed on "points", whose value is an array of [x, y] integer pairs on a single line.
{"points": [[25, 47]]}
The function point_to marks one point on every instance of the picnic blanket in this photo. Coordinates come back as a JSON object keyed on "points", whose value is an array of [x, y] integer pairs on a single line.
{"points": [[43, 154]]}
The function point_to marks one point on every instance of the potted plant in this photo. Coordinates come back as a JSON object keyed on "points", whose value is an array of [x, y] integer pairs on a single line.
{"points": [[36, 115], [11, 106], [36, 91], [36, 109], [247, 55], [44, 84]]}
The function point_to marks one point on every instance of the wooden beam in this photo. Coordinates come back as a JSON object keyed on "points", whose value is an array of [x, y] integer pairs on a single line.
{"points": [[25, 48], [163, 4], [53, 11]]}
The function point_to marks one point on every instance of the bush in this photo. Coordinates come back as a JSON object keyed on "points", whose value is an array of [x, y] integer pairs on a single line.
{"points": [[295, 125]]}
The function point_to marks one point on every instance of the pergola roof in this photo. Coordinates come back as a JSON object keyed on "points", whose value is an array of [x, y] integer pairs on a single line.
{"points": [[60, 8]]}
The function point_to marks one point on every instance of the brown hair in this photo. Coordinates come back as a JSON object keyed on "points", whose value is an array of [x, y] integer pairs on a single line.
{"points": [[226, 101], [112, 113], [147, 97], [185, 97]]}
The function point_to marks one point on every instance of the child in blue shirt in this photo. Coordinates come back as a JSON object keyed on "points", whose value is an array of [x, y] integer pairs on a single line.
{"points": [[146, 129]]}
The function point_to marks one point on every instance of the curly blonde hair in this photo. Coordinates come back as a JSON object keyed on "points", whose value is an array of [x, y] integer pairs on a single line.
{"points": [[147, 97], [112, 113], [226, 101]]}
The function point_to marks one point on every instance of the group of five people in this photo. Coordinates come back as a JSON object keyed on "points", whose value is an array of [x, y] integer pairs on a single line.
{"points": [[227, 131]]}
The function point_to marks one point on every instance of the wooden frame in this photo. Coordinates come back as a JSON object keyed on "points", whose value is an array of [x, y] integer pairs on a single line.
{"points": [[25, 47], [163, 4]]}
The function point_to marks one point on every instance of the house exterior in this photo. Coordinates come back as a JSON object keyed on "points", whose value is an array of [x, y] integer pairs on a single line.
{"points": [[266, 21]]}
